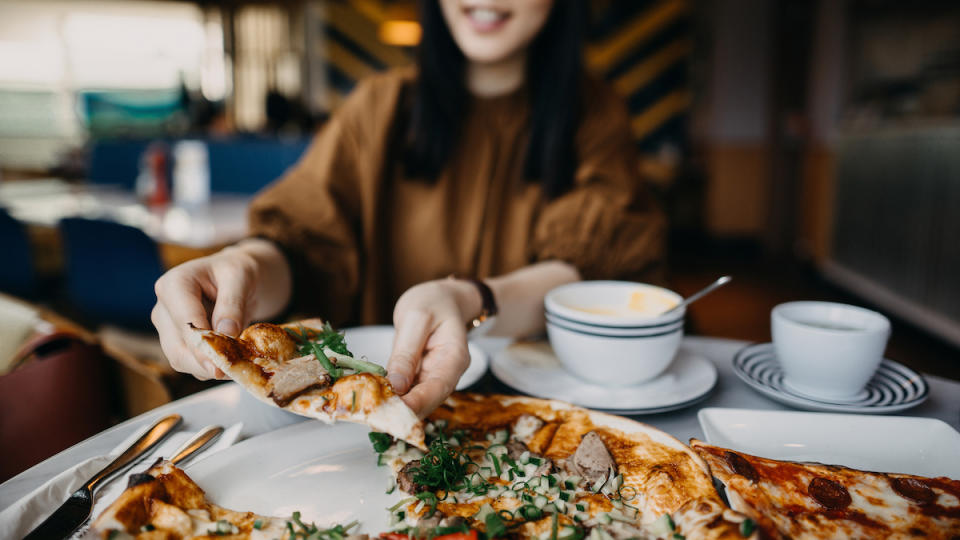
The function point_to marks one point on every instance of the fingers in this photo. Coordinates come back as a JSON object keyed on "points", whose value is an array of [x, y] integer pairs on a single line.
{"points": [[182, 297], [229, 311], [446, 359], [413, 329], [178, 354], [427, 395]]}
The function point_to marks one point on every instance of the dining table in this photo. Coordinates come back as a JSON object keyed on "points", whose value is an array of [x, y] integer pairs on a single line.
{"points": [[228, 404], [181, 231]]}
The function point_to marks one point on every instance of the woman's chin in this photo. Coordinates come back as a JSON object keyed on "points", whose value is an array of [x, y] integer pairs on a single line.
{"points": [[487, 51]]}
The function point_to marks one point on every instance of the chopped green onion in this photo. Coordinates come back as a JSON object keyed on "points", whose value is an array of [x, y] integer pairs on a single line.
{"points": [[318, 353], [258, 524], [404, 502], [495, 525], [496, 463], [678, 536], [358, 365], [746, 527]]}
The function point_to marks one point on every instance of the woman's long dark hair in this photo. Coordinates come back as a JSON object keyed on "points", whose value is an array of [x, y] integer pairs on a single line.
{"points": [[554, 66]]}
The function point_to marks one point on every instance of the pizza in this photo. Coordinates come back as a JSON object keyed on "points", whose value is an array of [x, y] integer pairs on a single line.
{"points": [[529, 468], [811, 500], [306, 368], [164, 503], [495, 467]]}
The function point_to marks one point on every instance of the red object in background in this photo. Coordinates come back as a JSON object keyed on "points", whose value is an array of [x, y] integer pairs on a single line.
{"points": [[55, 399], [160, 194], [153, 186]]}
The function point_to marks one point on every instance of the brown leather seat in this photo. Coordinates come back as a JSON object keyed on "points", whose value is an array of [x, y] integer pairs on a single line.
{"points": [[56, 397]]}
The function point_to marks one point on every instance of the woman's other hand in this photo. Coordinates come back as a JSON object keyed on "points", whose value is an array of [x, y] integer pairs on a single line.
{"points": [[223, 292], [430, 347]]}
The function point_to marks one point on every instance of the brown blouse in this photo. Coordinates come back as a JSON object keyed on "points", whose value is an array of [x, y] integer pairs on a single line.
{"points": [[358, 233]]}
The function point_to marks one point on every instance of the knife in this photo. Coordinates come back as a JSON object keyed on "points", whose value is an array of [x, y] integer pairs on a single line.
{"points": [[76, 510], [195, 445]]}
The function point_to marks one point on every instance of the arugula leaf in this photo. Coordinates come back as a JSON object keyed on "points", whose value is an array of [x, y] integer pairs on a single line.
{"points": [[381, 441]]}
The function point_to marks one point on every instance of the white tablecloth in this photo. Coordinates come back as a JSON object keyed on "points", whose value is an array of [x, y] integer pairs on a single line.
{"points": [[228, 404]]}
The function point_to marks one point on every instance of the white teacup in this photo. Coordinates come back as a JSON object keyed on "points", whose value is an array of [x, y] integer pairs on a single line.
{"points": [[827, 350]]}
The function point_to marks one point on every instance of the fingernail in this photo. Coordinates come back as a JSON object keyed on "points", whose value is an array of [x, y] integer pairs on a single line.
{"points": [[399, 382], [228, 327]]}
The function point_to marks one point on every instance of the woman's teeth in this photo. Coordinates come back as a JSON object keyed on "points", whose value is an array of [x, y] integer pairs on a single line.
{"points": [[486, 16]]}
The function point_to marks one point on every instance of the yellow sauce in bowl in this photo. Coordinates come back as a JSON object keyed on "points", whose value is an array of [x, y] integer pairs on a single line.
{"points": [[640, 303]]}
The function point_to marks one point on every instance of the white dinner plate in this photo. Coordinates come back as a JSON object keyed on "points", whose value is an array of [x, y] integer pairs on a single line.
{"points": [[329, 473], [533, 368], [376, 342], [893, 388], [903, 444]]}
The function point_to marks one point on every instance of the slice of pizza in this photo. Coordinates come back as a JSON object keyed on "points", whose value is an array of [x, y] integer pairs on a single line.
{"points": [[811, 500], [164, 503], [306, 368], [528, 468]]}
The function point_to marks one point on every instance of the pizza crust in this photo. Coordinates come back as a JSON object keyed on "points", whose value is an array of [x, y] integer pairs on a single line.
{"points": [[362, 398]]}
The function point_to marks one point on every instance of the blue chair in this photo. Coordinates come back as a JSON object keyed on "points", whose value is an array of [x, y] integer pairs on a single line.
{"points": [[246, 165], [237, 164], [110, 271], [17, 273], [115, 161]]}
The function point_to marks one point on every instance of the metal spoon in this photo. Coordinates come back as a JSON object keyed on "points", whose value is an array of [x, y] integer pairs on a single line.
{"points": [[720, 282]]}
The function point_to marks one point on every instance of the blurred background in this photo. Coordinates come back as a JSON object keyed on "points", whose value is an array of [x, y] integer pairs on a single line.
{"points": [[809, 148]]}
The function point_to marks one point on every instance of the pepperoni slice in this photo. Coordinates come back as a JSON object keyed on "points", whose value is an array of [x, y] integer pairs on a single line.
{"points": [[741, 466], [831, 494], [913, 489]]}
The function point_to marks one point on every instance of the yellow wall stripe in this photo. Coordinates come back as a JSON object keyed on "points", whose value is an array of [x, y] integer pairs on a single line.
{"points": [[604, 55], [371, 9], [645, 71], [347, 62], [646, 122], [364, 33]]}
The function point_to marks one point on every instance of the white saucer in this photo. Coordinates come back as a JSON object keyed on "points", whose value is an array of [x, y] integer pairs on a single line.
{"points": [[894, 387], [533, 369], [376, 342]]}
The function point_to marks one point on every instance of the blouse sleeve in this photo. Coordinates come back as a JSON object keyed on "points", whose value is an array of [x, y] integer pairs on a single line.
{"points": [[312, 213], [607, 226]]}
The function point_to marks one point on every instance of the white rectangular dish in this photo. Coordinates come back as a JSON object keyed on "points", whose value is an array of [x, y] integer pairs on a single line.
{"points": [[921, 446]]}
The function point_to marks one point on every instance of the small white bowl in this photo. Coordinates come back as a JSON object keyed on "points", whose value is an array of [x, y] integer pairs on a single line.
{"points": [[618, 349], [828, 350]]}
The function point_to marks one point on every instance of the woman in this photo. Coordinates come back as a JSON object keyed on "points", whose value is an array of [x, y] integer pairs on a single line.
{"points": [[496, 158]]}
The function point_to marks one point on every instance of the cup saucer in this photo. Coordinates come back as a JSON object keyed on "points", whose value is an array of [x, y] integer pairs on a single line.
{"points": [[894, 387], [533, 368], [858, 397]]}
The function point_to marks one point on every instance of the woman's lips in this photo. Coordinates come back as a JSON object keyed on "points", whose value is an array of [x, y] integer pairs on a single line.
{"points": [[486, 20]]}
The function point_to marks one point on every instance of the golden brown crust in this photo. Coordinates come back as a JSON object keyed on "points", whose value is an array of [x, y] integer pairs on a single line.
{"points": [[165, 503], [265, 360], [812, 500]]}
